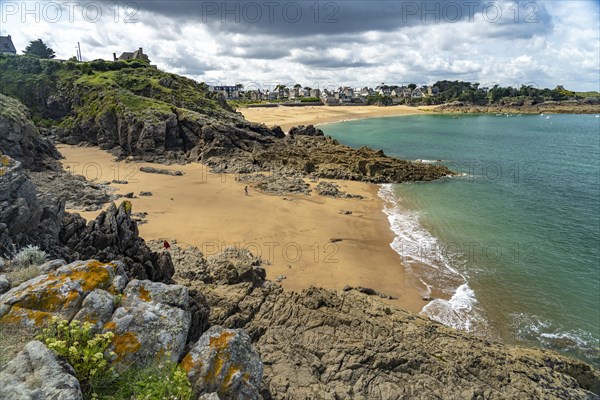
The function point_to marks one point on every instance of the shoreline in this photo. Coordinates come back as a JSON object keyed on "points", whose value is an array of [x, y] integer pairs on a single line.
{"points": [[288, 117], [304, 237]]}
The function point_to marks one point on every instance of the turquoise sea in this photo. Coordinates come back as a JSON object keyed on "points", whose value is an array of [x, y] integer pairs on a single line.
{"points": [[511, 248]]}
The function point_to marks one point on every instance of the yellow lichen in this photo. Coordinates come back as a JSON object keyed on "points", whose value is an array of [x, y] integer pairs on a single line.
{"points": [[18, 316], [53, 297], [126, 343], [187, 363], [110, 326], [145, 294]]}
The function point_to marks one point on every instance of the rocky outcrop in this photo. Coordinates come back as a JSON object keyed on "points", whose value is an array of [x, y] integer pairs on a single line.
{"points": [[20, 139], [23, 220], [37, 373], [325, 344], [585, 106], [152, 170], [302, 130], [113, 235], [224, 362], [330, 189], [150, 122], [150, 321]]}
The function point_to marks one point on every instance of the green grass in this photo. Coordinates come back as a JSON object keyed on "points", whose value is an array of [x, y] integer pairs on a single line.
{"points": [[587, 94], [127, 88]]}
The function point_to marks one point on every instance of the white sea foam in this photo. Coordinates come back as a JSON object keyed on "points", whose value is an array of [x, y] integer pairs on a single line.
{"points": [[424, 258], [551, 335], [457, 312]]}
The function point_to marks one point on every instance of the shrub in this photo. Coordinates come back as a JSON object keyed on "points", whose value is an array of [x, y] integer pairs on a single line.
{"points": [[84, 350], [29, 256], [158, 381]]}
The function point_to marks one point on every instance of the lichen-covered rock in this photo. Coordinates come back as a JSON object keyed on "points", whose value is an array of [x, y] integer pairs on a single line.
{"points": [[51, 265], [37, 373], [97, 308], [59, 293], [223, 361], [152, 323]]}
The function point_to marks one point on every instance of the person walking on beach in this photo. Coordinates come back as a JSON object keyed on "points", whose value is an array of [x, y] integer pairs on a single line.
{"points": [[166, 245], [246, 191]]}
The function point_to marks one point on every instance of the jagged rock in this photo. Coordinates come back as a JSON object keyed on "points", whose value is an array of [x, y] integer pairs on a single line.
{"points": [[37, 373], [333, 190], [152, 170], [302, 130], [234, 265], [4, 284], [51, 265], [324, 344], [145, 194], [367, 291], [97, 308], [20, 139], [59, 293], [76, 191], [282, 183], [119, 182], [113, 235], [223, 361], [152, 323]]}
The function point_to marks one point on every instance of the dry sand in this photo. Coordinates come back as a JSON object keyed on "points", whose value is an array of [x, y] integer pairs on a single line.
{"points": [[287, 117], [211, 212]]}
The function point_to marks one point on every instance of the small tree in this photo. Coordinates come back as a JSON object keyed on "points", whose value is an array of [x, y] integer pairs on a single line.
{"points": [[38, 48]]}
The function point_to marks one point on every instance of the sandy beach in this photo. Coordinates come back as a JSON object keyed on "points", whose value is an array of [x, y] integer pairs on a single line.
{"points": [[304, 238], [288, 117]]}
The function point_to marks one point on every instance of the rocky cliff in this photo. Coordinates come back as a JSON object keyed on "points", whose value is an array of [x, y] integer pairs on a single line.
{"points": [[28, 217], [135, 111]]}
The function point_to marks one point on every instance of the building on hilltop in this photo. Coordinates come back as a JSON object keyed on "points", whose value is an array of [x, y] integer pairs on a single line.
{"points": [[134, 55], [6, 45]]}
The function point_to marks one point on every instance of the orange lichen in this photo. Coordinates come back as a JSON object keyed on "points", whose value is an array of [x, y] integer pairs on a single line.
{"points": [[110, 326], [220, 342], [125, 343], [53, 297], [18, 316], [145, 294], [187, 363]]}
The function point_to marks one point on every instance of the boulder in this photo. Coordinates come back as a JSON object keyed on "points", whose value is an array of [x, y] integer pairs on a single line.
{"points": [[97, 308], [152, 323], [223, 361], [60, 293], [37, 373], [309, 130]]}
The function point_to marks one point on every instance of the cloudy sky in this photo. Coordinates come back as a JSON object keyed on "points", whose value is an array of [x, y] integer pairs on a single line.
{"points": [[329, 43]]}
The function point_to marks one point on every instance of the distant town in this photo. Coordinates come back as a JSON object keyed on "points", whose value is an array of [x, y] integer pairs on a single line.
{"points": [[441, 92]]}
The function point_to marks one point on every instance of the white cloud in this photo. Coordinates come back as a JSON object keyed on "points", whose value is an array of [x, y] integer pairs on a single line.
{"points": [[369, 45]]}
